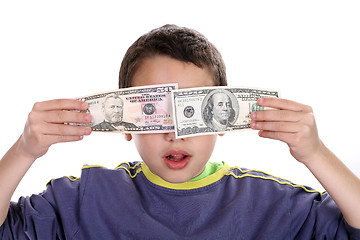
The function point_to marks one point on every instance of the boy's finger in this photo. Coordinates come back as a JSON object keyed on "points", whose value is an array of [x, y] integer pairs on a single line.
{"points": [[277, 115], [66, 130], [65, 117], [281, 136], [60, 104], [61, 139], [284, 104], [289, 127]]}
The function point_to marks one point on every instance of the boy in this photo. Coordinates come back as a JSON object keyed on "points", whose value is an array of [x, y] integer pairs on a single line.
{"points": [[175, 193]]}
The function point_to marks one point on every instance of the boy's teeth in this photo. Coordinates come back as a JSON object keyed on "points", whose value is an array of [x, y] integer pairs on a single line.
{"points": [[176, 157]]}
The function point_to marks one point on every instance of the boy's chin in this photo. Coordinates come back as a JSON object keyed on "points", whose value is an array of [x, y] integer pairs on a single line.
{"points": [[175, 179]]}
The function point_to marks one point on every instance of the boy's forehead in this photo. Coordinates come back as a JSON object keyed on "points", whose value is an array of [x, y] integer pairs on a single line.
{"points": [[163, 69]]}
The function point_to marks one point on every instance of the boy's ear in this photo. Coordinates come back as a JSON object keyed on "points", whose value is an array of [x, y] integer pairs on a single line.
{"points": [[127, 136]]}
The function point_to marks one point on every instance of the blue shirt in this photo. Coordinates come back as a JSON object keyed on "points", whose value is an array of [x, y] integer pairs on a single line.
{"points": [[130, 202]]}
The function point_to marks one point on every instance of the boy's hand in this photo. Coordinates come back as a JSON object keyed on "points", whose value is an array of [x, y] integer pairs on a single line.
{"points": [[290, 122], [45, 126]]}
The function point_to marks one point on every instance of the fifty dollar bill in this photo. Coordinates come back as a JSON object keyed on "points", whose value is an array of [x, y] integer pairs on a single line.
{"points": [[213, 110], [145, 109]]}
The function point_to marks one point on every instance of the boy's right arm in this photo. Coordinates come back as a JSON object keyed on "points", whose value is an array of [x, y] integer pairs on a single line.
{"points": [[44, 127]]}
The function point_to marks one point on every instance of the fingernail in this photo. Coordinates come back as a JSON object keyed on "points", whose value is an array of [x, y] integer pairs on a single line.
{"points": [[253, 115], [253, 124], [84, 105], [87, 117], [87, 131], [260, 100]]}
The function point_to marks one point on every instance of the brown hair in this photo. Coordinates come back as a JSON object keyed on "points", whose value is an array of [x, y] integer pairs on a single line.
{"points": [[180, 43]]}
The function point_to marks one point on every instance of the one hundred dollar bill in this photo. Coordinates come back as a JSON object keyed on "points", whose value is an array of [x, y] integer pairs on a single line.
{"points": [[213, 110], [145, 109]]}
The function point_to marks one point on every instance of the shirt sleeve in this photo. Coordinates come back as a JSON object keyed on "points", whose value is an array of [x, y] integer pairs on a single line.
{"points": [[354, 233], [52, 214], [316, 216]]}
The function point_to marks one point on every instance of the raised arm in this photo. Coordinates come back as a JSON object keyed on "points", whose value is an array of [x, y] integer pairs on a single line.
{"points": [[44, 127], [294, 124]]}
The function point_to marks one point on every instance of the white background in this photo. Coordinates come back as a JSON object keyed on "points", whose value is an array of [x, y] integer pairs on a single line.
{"points": [[309, 50]]}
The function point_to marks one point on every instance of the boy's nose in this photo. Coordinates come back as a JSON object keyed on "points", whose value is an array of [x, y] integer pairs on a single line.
{"points": [[172, 138]]}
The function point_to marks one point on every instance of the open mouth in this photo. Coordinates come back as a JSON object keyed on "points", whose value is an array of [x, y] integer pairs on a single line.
{"points": [[176, 159]]}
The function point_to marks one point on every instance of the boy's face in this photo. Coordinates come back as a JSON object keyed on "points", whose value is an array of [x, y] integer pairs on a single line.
{"points": [[174, 160]]}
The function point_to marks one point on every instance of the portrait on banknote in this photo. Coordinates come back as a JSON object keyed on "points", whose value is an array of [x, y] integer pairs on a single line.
{"points": [[113, 112], [220, 109]]}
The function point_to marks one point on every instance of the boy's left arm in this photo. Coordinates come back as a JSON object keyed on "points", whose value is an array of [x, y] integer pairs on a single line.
{"points": [[294, 124]]}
